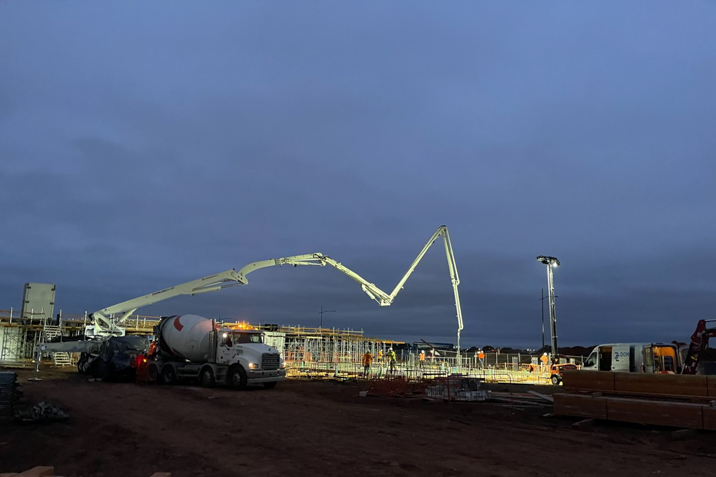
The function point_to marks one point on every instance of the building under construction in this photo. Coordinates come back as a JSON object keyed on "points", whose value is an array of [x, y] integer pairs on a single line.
{"points": [[306, 350]]}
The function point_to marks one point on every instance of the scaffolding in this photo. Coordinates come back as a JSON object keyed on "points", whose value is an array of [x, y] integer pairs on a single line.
{"points": [[314, 353], [328, 352], [12, 343], [302, 347], [19, 334]]}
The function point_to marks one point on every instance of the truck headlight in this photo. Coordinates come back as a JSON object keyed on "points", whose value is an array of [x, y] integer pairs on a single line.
{"points": [[253, 365], [283, 364]]}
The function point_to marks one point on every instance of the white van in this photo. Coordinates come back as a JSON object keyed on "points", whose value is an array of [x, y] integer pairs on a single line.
{"points": [[634, 358]]}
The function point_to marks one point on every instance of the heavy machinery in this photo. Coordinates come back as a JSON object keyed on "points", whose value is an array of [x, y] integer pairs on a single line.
{"points": [[106, 323], [698, 349], [107, 320], [193, 347]]}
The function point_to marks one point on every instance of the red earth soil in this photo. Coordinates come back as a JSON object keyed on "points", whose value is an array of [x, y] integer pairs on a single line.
{"points": [[324, 428]]}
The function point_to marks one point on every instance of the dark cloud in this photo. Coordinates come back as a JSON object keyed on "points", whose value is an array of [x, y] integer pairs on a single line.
{"points": [[143, 146]]}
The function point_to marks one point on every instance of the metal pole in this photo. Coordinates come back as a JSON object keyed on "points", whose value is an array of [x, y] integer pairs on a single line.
{"points": [[542, 300], [552, 314], [321, 313]]}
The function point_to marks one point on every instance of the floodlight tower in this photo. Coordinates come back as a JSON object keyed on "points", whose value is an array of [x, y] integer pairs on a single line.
{"points": [[551, 262]]}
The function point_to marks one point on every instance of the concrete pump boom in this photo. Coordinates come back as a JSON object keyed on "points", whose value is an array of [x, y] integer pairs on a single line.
{"points": [[106, 320]]}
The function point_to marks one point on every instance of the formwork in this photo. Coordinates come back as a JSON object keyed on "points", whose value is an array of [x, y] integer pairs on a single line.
{"points": [[322, 352], [19, 335]]}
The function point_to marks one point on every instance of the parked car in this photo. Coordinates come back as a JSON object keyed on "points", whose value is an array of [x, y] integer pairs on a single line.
{"points": [[119, 358], [557, 372]]}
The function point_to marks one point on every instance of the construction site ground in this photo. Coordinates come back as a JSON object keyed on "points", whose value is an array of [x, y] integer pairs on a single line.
{"points": [[324, 428]]}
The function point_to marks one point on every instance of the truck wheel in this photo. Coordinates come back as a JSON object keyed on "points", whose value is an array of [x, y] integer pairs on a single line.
{"points": [[152, 373], [109, 373], [99, 368], [237, 377], [270, 385], [555, 380], [169, 376], [81, 363], [207, 378]]}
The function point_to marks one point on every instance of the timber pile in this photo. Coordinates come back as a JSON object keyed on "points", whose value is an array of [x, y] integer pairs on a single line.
{"points": [[655, 399]]}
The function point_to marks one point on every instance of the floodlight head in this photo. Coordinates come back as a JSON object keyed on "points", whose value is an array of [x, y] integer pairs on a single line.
{"points": [[548, 260]]}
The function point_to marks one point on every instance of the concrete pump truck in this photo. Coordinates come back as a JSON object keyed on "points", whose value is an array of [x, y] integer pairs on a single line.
{"points": [[190, 346]]}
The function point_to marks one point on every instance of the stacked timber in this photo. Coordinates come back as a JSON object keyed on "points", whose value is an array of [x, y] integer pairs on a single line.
{"points": [[8, 393], [656, 399]]}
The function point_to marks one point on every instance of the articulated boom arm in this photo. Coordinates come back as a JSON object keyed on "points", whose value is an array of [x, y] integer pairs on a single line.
{"points": [[108, 319], [381, 297], [386, 300], [454, 277], [699, 342]]}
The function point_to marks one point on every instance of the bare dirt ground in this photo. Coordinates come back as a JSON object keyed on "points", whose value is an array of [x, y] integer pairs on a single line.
{"points": [[323, 428]]}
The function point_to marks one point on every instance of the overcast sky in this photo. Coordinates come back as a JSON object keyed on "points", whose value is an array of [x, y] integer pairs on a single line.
{"points": [[144, 144]]}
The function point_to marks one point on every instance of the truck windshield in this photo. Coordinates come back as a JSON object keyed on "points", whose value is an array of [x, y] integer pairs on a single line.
{"points": [[247, 338]]}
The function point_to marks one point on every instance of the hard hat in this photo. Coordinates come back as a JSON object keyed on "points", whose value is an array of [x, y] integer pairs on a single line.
{"points": [[545, 354]]}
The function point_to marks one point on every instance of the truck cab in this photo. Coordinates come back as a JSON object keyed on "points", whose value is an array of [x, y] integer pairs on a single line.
{"points": [[634, 358], [248, 349]]}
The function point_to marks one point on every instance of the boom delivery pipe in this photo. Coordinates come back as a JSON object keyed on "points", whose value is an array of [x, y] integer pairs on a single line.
{"points": [[106, 320]]}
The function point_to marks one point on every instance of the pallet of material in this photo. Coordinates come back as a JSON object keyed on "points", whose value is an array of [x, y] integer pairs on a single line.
{"points": [[588, 381], [580, 405], [643, 384], [654, 399]]}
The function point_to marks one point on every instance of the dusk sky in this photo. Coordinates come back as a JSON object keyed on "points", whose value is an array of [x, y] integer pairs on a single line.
{"points": [[145, 144]]}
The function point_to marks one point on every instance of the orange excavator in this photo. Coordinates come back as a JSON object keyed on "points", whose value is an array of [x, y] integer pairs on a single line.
{"points": [[699, 346]]}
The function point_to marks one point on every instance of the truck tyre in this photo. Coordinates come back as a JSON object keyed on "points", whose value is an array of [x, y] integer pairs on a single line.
{"points": [[236, 378], [98, 368], [206, 379], [81, 363], [169, 376], [152, 373], [109, 372], [270, 385], [556, 380]]}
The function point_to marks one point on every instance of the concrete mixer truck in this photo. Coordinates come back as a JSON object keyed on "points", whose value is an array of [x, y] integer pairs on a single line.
{"points": [[191, 347]]}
